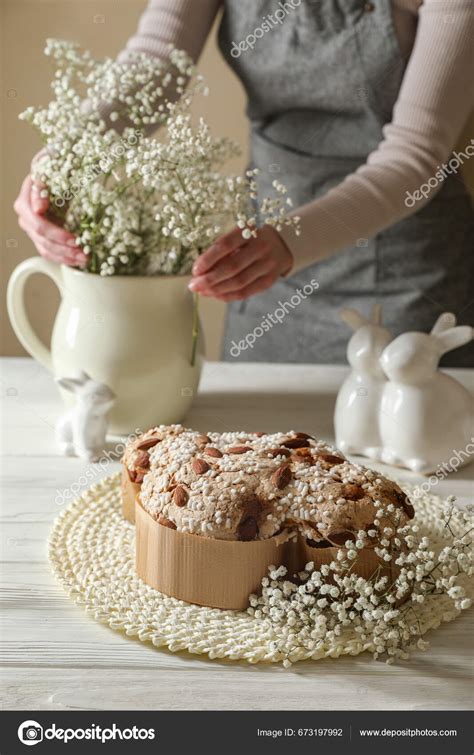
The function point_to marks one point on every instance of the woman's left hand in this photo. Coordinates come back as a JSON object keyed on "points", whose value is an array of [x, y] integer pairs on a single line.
{"points": [[236, 268]]}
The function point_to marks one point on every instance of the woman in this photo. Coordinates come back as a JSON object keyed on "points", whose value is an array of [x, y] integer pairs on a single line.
{"points": [[356, 107]]}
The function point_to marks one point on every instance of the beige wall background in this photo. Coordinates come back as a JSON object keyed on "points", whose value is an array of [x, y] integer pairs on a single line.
{"points": [[103, 27]]}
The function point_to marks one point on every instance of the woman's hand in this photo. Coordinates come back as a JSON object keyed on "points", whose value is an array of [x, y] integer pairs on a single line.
{"points": [[234, 268], [51, 241]]}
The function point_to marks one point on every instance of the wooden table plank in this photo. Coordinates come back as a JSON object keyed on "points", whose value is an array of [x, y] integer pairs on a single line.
{"points": [[55, 657]]}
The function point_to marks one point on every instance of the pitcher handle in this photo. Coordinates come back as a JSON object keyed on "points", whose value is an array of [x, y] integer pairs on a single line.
{"points": [[16, 306]]}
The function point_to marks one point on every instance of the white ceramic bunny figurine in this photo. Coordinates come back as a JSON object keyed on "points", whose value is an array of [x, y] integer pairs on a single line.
{"points": [[356, 417], [426, 415], [82, 431]]}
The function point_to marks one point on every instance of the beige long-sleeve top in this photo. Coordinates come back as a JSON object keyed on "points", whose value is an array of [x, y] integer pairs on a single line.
{"points": [[434, 103]]}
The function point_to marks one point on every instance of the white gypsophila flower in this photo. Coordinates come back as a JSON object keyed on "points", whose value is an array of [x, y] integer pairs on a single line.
{"points": [[317, 606], [139, 204]]}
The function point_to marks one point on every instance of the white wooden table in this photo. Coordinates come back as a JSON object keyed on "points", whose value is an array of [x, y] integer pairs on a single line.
{"points": [[54, 657]]}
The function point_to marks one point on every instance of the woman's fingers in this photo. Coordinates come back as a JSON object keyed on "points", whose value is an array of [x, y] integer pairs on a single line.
{"points": [[35, 222], [256, 287], [48, 254], [52, 241], [24, 195], [52, 251], [230, 266], [236, 283], [38, 227], [26, 202], [39, 204], [220, 249]]}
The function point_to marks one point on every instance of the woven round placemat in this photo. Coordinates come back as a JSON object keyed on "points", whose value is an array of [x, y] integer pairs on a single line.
{"points": [[92, 553]]}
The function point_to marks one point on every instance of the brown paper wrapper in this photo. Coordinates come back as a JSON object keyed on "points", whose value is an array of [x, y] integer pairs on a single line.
{"points": [[365, 565], [216, 573], [130, 490], [223, 573]]}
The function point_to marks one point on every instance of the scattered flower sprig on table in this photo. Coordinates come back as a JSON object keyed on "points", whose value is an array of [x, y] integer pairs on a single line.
{"points": [[321, 605], [138, 204]]}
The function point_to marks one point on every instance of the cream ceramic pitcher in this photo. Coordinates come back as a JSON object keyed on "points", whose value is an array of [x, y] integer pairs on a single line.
{"points": [[133, 333]]}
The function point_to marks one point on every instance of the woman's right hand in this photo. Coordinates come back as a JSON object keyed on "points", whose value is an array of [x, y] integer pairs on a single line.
{"points": [[52, 242]]}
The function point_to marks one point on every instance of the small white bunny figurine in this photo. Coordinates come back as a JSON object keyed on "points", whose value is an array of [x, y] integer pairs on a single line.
{"points": [[356, 417], [426, 415], [82, 431]]}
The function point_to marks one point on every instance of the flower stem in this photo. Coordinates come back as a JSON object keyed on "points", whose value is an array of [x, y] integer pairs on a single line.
{"points": [[195, 331]]}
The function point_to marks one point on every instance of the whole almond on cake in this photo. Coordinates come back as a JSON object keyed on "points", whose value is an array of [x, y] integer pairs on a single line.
{"points": [[252, 486]]}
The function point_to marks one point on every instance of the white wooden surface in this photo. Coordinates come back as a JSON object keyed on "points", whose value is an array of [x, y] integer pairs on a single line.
{"points": [[55, 658]]}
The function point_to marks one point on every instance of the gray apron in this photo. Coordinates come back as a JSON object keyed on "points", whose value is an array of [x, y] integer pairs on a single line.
{"points": [[321, 85]]}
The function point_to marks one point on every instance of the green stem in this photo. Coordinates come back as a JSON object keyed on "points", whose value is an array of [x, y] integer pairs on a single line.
{"points": [[195, 331]]}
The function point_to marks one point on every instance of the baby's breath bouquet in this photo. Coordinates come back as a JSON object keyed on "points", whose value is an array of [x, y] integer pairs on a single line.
{"points": [[139, 205], [321, 609]]}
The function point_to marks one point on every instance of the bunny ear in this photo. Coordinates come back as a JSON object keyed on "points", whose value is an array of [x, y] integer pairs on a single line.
{"points": [[454, 337], [444, 322], [69, 384], [377, 314], [353, 318], [83, 377]]}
